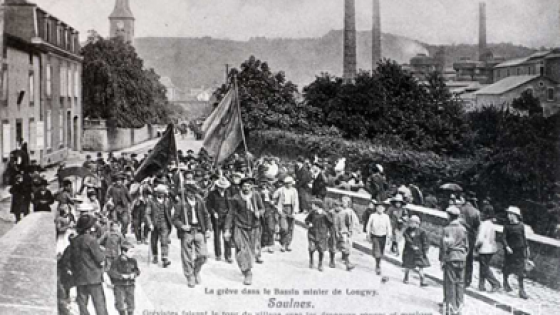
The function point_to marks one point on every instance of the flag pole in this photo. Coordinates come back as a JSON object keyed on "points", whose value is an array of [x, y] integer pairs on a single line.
{"points": [[241, 122]]}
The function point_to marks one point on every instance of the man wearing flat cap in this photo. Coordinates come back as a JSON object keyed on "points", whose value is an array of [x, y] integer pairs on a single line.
{"points": [[244, 221], [470, 216], [217, 204], [193, 227], [84, 258], [287, 205], [159, 220], [121, 198], [452, 255]]}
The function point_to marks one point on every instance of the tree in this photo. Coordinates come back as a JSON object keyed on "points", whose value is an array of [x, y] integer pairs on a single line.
{"points": [[528, 103], [116, 86]]}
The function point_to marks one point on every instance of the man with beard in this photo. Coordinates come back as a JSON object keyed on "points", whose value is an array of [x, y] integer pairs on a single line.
{"points": [[246, 210], [217, 204], [193, 227], [158, 217]]}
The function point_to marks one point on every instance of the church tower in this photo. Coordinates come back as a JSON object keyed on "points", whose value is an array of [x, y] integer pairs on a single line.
{"points": [[122, 21]]}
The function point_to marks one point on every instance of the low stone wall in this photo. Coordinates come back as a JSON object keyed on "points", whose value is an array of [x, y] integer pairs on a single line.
{"points": [[28, 267], [545, 251], [99, 137]]}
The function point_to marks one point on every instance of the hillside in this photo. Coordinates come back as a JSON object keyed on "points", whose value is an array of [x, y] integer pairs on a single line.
{"points": [[192, 62]]}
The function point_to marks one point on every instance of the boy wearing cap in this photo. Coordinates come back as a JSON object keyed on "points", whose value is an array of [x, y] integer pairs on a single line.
{"points": [[123, 274], [160, 222], [378, 228], [343, 222], [112, 241], [453, 255], [319, 223], [287, 205]]}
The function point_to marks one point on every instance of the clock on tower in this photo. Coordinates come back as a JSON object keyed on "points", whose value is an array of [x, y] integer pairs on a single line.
{"points": [[122, 21]]}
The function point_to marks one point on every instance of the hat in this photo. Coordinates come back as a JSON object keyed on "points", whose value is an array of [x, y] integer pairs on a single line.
{"points": [[514, 210], [190, 151], [236, 174], [84, 207], [247, 180], [471, 196], [192, 188], [127, 245], [118, 176], [85, 222], [289, 180], [317, 202], [379, 168], [223, 183], [398, 198], [375, 202], [453, 211], [91, 192], [162, 189], [415, 218]]}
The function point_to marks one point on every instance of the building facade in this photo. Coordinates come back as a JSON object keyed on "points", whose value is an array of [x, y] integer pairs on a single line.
{"points": [[41, 99]]}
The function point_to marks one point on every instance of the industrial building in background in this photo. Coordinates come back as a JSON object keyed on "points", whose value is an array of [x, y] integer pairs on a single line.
{"points": [[41, 92], [350, 59]]}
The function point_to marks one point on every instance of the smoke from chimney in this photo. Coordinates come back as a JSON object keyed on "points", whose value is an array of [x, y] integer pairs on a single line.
{"points": [[376, 34], [349, 65], [482, 31]]}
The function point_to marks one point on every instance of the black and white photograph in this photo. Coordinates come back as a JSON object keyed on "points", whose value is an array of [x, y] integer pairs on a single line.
{"points": [[280, 157]]}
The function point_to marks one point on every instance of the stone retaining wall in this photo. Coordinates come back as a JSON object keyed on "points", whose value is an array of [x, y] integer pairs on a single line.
{"points": [[100, 137], [545, 251]]}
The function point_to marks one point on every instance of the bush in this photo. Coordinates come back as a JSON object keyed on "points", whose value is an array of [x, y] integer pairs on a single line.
{"points": [[423, 168]]}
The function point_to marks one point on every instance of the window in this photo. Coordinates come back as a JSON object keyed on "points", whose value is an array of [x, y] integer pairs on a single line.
{"points": [[31, 89], [6, 139], [507, 72], [60, 129], [69, 86], [32, 134], [63, 80], [518, 71], [550, 94], [49, 30], [49, 80], [76, 83], [5, 77], [49, 129]]}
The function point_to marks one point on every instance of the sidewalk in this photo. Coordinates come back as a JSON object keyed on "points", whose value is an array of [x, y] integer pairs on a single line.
{"points": [[542, 300]]}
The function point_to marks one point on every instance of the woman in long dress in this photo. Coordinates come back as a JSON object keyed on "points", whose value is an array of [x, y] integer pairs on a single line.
{"points": [[516, 250], [415, 253]]}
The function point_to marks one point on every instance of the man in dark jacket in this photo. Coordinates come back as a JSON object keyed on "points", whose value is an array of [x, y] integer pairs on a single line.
{"points": [[304, 182], [159, 219], [217, 204], [243, 220], [84, 259], [121, 198], [452, 255], [319, 186], [193, 227], [470, 217]]}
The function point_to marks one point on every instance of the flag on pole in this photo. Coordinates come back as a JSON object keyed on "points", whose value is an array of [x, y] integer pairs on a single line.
{"points": [[164, 152], [223, 129]]}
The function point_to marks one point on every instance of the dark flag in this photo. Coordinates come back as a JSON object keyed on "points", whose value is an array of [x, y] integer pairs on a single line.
{"points": [[164, 152]]}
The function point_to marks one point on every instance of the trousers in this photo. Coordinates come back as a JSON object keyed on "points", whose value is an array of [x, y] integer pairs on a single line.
{"points": [[286, 230], [193, 252], [95, 291], [124, 298], [454, 286], [160, 233], [470, 261], [219, 229], [486, 273]]}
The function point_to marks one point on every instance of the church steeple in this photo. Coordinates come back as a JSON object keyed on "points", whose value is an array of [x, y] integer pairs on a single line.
{"points": [[122, 21]]}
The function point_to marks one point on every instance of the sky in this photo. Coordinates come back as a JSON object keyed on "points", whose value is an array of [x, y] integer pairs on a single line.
{"points": [[531, 23]]}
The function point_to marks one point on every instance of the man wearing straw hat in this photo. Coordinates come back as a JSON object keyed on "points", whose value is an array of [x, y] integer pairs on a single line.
{"points": [[193, 227], [244, 220], [287, 205], [159, 220], [218, 207]]}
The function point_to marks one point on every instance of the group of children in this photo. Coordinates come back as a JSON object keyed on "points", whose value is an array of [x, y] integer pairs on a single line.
{"points": [[332, 229]]}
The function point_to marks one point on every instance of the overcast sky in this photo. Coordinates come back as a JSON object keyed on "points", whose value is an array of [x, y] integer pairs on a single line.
{"points": [[528, 22]]}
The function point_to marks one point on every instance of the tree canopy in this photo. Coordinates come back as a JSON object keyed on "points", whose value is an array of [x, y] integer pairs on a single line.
{"points": [[116, 86]]}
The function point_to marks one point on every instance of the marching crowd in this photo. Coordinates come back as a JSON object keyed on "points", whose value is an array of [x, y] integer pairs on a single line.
{"points": [[249, 206]]}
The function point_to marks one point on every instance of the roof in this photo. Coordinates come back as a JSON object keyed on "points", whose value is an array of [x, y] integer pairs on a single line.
{"points": [[520, 61], [122, 10], [507, 84]]}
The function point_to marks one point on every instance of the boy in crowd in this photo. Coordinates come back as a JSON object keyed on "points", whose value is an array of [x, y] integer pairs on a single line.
{"points": [[319, 223], [112, 241], [123, 273]]}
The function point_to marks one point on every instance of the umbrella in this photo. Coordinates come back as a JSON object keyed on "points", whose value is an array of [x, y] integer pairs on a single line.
{"points": [[77, 171], [451, 187]]}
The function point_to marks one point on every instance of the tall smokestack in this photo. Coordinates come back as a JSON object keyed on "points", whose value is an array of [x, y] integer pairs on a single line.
{"points": [[482, 31], [376, 34], [349, 66]]}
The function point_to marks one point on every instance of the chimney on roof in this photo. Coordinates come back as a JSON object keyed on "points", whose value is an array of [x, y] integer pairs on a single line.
{"points": [[349, 65], [482, 32], [376, 34]]}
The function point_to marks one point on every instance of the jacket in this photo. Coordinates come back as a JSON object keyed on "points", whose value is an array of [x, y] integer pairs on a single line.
{"points": [[486, 238], [342, 221], [379, 225], [303, 177], [454, 243], [121, 197], [320, 225], [123, 266], [280, 194], [240, 216], [112, 242], [84, 258], [319, 188], [154, 204], [183, 212], [471, 219], [216, 203], [43, 199]]}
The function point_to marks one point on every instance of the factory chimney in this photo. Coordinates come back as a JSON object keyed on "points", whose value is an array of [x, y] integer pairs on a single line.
{"points": [[482, 32], [439, 59], [349, 66], [376, 34]]}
